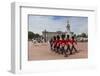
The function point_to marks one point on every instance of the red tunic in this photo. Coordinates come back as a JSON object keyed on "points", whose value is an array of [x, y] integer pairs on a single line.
{"points": [[58, 42], [68, 41], [73, 41], [54, 42], [63, 42]]}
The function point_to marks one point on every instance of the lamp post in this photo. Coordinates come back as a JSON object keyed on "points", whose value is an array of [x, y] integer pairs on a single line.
{"points": [[45, 35]]}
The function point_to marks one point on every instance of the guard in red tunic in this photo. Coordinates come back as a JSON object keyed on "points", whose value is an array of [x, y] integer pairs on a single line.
{"points": [[63, 43], [68, 42], [73, 43], [54, 43], [58, 41]]}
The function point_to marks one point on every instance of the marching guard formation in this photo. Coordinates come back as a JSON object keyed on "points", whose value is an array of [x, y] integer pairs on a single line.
{"points": [[63, 45]]}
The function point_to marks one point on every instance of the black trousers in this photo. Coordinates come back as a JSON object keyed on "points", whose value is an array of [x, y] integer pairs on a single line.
{"points": [[68, 48], [62, 50], [58, 49], [54, 48], [73, 48]]}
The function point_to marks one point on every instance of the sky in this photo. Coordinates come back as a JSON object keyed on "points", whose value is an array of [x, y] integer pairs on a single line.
{"points": [[38, 23]]}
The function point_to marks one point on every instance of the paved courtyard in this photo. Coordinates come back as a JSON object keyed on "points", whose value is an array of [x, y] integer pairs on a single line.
{"points": [[41, 51]]}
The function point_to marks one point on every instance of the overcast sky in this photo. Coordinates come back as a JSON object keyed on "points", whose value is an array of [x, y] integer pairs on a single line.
{"points": [[57, 23]]}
